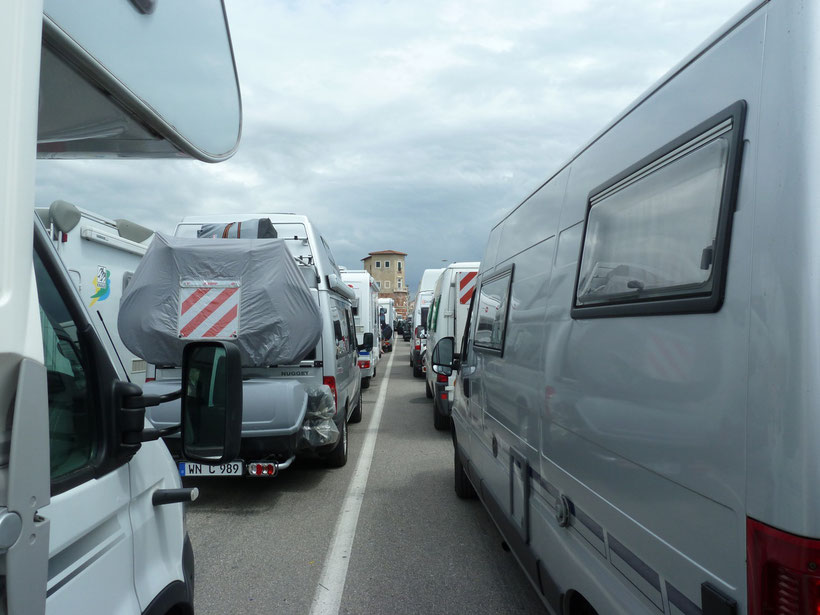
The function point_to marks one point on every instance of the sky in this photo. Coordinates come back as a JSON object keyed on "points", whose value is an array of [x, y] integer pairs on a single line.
{"points": [[411, 126]]}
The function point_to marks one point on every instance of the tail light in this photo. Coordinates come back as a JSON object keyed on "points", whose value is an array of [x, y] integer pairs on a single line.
{"points": [[418, 346], [783, 572], [441, 378], [149, 379], [364, 364], [331, 382]]}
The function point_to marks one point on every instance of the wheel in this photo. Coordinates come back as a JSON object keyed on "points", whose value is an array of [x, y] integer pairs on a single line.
{"points": [[427, 390], [464, 488], [356, 417], [374, 372], [417, 370], [440, 421], [366, 382], [338, 456]]}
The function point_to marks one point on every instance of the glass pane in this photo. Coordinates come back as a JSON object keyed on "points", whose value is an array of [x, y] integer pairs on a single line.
{"points": [[70, 418], [492, 313], [656, 236], [206, 402]]}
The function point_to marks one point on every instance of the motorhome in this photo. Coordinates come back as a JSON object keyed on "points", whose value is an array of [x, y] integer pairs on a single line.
{"points": [[101, 255], [447, 317], [387, 314], [639, 379], [277, 398], [91, 507], [421, 310], [366, 320]]}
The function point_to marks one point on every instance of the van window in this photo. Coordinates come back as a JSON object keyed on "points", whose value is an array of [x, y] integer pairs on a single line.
{"points": [[657, 233], [434, 315], [424, 313], [71, 419], [491, 316], [340, 333]]}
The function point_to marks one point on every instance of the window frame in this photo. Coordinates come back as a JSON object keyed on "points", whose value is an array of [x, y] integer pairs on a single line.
{"points": [[378, 264], [509, 271], [100, 373], [685, 302], [387, 284]]}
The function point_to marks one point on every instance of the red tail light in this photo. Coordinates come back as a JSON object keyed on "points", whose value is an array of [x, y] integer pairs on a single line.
{"points": [[331, 382], [364, 364], [149, 379], [441, 378], [783, 572], [418, 346]]}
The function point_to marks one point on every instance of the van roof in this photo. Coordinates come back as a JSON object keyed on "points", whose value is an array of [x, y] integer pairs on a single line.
{"points": [[737, 19]]}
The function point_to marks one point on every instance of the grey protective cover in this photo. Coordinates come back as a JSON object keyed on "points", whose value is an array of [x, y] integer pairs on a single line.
{"points": [[278, 320]]}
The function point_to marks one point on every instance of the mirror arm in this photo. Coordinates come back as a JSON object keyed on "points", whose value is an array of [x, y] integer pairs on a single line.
{"points": [[143, 401], [149, 435]]}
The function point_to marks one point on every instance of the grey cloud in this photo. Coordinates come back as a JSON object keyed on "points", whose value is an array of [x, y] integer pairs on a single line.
{"points": [[406, 126]]}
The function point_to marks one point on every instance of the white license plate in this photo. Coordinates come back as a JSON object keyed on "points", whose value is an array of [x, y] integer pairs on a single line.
{"points": [[234, 468]]}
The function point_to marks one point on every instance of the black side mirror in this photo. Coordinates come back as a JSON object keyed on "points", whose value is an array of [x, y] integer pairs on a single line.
{"points": [[367, 342], [211, 402], [443, 359]]}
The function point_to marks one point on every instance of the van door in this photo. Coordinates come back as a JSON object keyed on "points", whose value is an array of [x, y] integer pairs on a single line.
{"points": [[463, 408], [91, 550]]}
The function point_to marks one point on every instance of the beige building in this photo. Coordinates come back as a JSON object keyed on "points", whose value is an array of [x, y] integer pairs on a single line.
{"points": [[387, 268]]}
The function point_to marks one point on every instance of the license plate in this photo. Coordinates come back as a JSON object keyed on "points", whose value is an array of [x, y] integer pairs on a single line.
{"points": [[234, 468]]}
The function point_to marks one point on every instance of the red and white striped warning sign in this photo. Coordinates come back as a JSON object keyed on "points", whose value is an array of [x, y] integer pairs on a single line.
{"points": [[466, 286], [209, 310]]}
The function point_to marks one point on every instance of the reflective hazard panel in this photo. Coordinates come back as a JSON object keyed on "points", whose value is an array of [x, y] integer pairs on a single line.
{"points": [[466, 286], [209, 309]]}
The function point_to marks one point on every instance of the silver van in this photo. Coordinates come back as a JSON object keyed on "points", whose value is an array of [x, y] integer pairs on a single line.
{"points": [[638, 391], [277, 398]]}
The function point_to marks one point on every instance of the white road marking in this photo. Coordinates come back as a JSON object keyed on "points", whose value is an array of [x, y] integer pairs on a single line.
{"points": [[328, 597]]}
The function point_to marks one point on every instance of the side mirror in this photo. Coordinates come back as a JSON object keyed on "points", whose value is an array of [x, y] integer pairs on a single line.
{"points": [[443, 359], [367, 342], [211, 402]]}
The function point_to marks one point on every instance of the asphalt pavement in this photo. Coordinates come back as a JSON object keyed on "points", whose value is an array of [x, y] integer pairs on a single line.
{"points": [[265, 545]]}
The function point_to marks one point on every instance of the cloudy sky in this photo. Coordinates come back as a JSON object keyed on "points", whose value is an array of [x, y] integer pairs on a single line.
{"points": [[409, 126]]}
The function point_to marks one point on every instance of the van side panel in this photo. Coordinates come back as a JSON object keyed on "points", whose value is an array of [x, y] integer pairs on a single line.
{"points": [[645, 424], [784, 389], [639, 421]]}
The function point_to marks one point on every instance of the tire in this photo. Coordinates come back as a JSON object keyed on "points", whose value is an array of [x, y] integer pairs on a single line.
{"points": [[427, 390], [440, 421], [417, 370], [338, 456], [366, 382], [356, 416], [464, 488]]}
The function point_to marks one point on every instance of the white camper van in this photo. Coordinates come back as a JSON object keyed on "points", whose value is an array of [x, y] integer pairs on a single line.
{"points": [[641, 410], [421, 310], [101, 255], [366, 320], [447, 316], [277, 398], [91, 510]]}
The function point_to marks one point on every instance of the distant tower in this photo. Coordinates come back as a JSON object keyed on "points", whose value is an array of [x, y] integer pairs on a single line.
{"points": [[387, 268]]}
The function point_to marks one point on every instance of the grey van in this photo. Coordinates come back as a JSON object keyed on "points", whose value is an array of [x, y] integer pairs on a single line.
{"points": [[637, 392]]}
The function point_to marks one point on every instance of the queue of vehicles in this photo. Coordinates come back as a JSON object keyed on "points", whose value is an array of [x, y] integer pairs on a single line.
{"points": [[630, 385]]}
